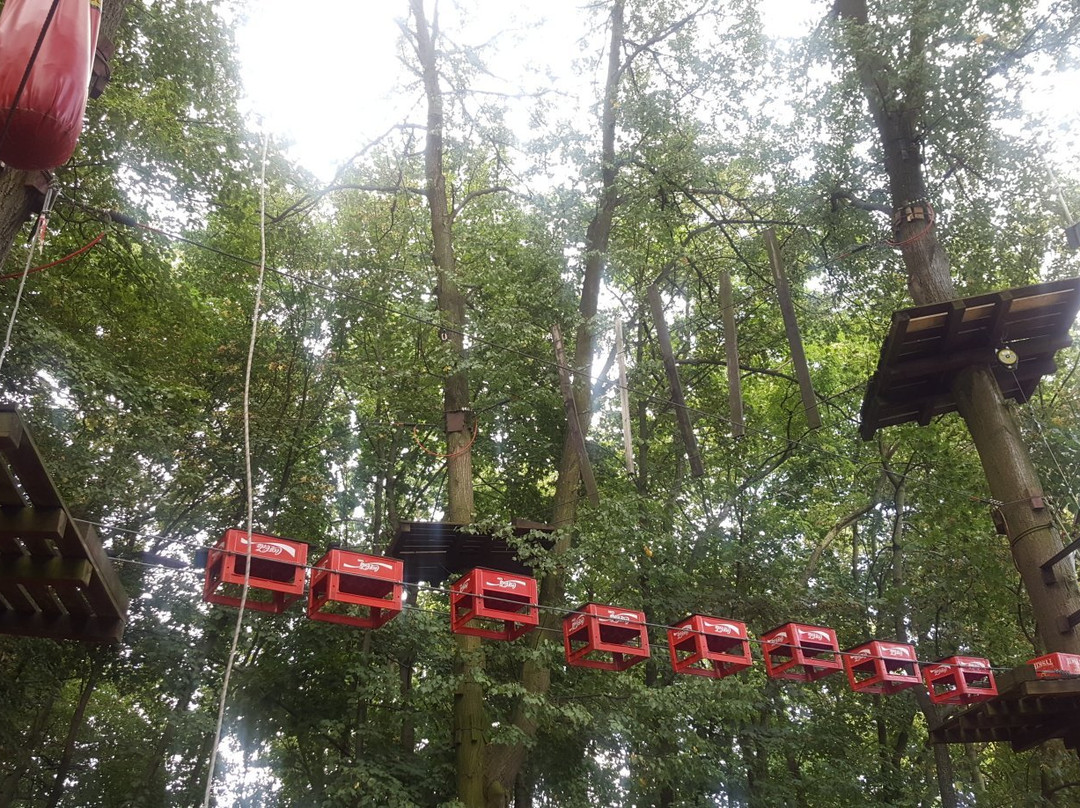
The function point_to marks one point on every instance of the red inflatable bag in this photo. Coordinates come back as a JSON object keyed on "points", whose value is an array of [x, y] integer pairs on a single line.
{"points": [[41, 125]]}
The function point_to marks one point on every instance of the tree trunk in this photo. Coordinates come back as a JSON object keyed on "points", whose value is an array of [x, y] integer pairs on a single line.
{"points": [[15, 208], [505, 761], [1006, 460], [469, 727], [78, 718], [9, 785]]}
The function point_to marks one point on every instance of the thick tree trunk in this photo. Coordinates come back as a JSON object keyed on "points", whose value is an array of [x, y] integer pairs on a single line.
{"points": [[505, 761], [15, 208], [1006, 460], [9, 785], [469, 727], [78, 718]]}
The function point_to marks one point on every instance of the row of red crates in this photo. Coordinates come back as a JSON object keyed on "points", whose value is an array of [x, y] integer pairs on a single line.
{"points": [[366, 591]]}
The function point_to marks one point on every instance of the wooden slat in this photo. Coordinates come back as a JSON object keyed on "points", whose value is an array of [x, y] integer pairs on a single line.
{"points": [[55, 570], [62, 627], [9, 546], [73, 599], [41, 531], [731, 352], [18, 446], [681, 413], [791, 327], [36, 569], [9, 491], [105, 591], [572, 420], [917, 366], [43, 597], [16, 597]]}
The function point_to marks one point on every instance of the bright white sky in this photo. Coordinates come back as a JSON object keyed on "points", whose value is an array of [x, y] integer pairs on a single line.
{"points": [[328, 78]]}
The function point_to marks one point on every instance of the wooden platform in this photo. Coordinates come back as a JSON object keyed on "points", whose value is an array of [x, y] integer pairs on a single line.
{"points": [[1027, 712], [55, 579], [433, 551], [928, 345]]}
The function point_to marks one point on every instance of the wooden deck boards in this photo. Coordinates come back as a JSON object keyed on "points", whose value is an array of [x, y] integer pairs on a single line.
{"points": [[928, 345], [55, 579]]}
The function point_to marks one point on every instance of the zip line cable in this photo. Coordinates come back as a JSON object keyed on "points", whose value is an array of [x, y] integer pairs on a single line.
{"points": [[801, 443], [1042, 434], [36, 240], [249, 481]]}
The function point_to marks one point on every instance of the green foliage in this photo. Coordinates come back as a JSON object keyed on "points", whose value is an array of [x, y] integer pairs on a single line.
{"points": [[129, 363]]}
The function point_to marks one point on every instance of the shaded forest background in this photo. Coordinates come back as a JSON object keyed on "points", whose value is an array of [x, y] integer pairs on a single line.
{"points": [[129, 363]]}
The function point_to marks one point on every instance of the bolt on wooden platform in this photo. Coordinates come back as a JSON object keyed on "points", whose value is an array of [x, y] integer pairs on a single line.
{"points": [[1027, 712], [55, 579], [433, 551], [928, 346]]}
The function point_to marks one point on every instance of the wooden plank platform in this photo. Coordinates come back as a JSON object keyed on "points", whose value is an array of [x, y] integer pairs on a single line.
{"points": [[55, 579], [1027, 712], [433, 551], [927, 346]]}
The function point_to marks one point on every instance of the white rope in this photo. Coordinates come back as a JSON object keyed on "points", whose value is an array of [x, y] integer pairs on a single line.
{"points": [[36, 239], [248, 477]]}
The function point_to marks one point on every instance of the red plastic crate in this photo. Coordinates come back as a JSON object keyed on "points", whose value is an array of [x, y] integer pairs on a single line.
{"points": [[709, 646], [605, 637], [882, 667], [960, 680], [354, 589], [493, 604], [801, 653], [1056, 666], [277, 571]]}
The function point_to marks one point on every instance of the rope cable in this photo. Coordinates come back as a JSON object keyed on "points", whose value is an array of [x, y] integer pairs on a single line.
{"points": [[249, 483], [1042, 434], [36, 240], [74, 254]]}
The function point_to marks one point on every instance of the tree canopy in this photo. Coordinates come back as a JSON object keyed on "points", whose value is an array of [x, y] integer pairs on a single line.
{"points": [[416, 283]]}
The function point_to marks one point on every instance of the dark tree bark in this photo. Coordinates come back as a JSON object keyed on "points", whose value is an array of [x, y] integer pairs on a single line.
{"points": [[78, 718], [469, 726]]}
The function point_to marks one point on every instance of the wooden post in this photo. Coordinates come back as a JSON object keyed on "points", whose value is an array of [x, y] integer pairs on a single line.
{"points": [[791, 326], [624, 397], [572, 417], [664, 338], [731, 347]]}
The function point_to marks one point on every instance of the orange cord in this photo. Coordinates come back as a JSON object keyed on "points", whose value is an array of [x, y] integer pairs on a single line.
{"points": [[67, 257], [451, 455]]}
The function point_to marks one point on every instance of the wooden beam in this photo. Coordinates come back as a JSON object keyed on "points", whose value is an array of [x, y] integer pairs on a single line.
{"points": [[681, 413], [791, 326], [9, 492], [731, 349], [572, 421], [18, 446], [35, 528], [31, 569], [624, 398], [62, 627]]}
